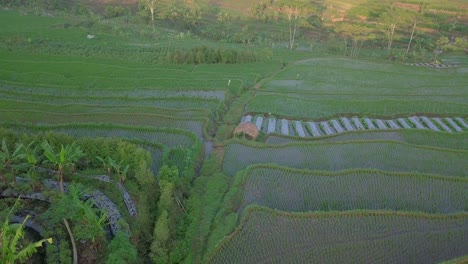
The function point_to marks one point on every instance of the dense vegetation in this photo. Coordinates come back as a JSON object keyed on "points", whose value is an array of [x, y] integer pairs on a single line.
{"points": [[116, 120]]}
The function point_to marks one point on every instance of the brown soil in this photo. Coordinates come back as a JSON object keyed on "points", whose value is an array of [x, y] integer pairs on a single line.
{"points": [[86, 255]]}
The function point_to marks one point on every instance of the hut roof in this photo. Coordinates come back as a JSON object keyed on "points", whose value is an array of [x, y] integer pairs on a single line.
{"points": [[247, 128]]}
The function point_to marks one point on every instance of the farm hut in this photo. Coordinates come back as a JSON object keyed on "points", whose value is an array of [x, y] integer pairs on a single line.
{"points": [[247, 129]]}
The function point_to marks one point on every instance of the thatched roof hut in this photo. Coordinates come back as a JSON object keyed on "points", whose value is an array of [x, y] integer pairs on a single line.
{"points": [[247, 129]]}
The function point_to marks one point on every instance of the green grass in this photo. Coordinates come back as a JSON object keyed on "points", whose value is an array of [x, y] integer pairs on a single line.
{"points": [[417, 137], [338, 237], [295, 190], [382, 155]]}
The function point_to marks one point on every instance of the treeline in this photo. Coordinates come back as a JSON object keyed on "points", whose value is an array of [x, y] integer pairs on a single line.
{"points": [[69, 6]]}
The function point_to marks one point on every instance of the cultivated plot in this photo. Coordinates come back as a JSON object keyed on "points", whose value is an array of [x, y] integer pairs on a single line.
{"points": [[268, 236]]}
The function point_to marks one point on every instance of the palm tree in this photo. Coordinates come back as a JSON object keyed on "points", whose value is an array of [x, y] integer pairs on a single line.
{"points": [[11, 251], [64, 159]]}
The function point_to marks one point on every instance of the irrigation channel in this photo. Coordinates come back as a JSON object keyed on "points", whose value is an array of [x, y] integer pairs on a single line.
{"points": [[271, 125]]}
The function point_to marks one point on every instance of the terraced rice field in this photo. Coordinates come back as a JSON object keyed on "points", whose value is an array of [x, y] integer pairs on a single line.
{"points": [[382, 155], [292, 190], [413, 136], [344, 237], [345, 135], [387, 139], [48, 90]]}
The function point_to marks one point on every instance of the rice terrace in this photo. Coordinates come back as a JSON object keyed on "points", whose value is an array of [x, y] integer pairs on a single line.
{"points": [[218, 131]]}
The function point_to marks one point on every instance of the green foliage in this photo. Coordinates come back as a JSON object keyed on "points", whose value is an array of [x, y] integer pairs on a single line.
{"points": [[63, 160], [460, 44], [168, 174], [138, 160], [88, 222], [115, 11], [8, 162], [206, 55], [161, 234], [12, 250], [121, 251]]}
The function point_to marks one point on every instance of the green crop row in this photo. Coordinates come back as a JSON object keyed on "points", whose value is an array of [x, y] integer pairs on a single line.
{"points": [[195, 125], [163, 103], [382, 155], [128, 94], [343, 237], [320, 109], [79, 108], [418, 137], [35, 78], [448, 94], [289, 189]]}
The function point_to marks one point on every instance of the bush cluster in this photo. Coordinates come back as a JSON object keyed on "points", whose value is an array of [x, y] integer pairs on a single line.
{"points": [[205, 55]]}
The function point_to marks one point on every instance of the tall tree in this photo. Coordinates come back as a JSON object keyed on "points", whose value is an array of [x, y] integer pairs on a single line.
{"points": [[417, 17], [358, 34], [11, 249], [294, 11], [151, 6], [390, 19]]}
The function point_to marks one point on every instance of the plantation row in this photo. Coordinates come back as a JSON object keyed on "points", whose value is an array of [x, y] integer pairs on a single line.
{"points": [[381, 155], [344, 237], [429, 100], [325, 128], [131, 119], [424, 137], [294, 190], [369, 104], [25, 93]]}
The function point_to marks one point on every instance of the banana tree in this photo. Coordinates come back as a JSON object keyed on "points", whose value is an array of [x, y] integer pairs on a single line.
{"points": [[62, 160], [8, 160], [121, 171], [82, 220], [29, 155], [11, 249], [107, 164]]}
